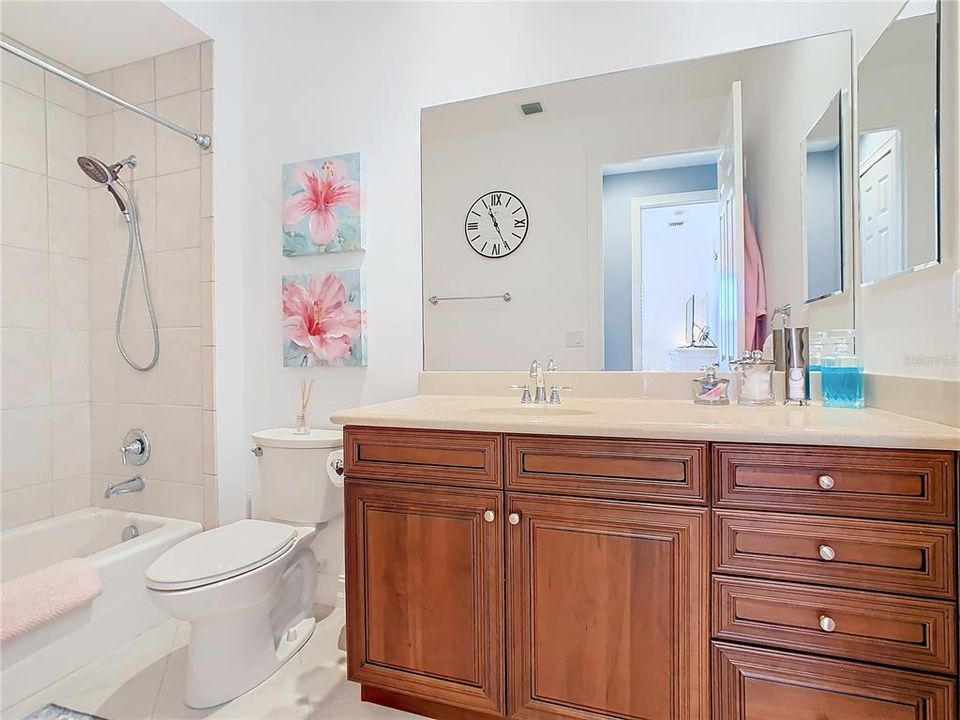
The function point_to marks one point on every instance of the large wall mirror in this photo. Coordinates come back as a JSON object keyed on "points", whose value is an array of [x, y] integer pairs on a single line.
{"points": [[898, 147], [651, 219]]}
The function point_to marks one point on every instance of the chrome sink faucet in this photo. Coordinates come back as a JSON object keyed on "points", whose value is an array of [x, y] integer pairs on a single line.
{"points": [[134, 484], [538, 375]]}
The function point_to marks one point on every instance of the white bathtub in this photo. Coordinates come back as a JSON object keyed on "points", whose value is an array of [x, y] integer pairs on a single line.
{"points": [[32, 661]]}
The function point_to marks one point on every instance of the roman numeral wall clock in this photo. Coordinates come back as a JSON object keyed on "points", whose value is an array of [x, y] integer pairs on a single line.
{"points": [[496, 224]]}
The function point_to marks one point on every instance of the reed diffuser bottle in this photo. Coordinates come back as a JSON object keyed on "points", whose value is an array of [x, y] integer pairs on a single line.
{"points": [[303, 426]]}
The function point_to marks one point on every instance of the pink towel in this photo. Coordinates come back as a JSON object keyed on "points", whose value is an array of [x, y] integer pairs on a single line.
{"points": [[754, 288], [32, 600]]}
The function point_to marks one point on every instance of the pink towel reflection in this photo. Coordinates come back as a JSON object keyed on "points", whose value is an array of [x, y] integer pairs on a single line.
{"points": [[754, 289]]}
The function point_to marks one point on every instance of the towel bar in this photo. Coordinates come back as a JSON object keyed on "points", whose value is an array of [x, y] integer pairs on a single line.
{"points": [[435, 299]]}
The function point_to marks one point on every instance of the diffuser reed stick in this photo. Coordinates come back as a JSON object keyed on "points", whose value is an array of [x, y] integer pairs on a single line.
{"points": [[306, 387]]}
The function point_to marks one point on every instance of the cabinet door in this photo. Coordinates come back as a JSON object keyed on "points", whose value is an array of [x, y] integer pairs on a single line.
{"points": [[425, 591], [607, 609]]}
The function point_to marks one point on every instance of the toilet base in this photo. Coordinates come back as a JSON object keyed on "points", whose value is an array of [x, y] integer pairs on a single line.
{"points": [[231, 656]]}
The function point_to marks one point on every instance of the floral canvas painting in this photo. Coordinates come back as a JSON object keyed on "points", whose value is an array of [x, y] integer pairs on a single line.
{"points": [[324, 319], [321, 206]]}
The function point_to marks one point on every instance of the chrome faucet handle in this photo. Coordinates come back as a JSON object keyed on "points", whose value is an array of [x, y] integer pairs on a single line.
{"points": [[525, 398], [555, 393], [135, 448]]}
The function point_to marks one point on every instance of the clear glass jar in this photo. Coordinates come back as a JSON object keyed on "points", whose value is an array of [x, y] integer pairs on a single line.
{"points": [[756, 379], [711, 390], [841, 372]]}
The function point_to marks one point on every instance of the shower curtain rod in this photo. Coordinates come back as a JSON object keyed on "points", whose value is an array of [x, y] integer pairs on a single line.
{"points": [[202, 140]]}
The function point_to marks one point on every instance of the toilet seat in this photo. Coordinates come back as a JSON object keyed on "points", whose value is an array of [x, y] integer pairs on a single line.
{"points": [[219, 554]]}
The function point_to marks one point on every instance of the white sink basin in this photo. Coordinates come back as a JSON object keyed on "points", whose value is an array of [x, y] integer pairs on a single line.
{"points": [[530, 410]]}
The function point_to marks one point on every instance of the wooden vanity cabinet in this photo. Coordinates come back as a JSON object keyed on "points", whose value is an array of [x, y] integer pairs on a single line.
{"points": [[539, 578]]}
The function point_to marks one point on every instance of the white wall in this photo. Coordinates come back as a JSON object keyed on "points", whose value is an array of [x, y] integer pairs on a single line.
{"points": [[295, 80], [905, 323]]}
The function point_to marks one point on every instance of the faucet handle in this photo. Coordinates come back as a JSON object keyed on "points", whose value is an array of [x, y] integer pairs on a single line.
{"points": [[525, 398], [555, 393], [135, 448]]}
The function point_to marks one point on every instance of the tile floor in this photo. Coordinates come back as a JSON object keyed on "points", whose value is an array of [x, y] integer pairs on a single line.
{"points": [[143, 680]]}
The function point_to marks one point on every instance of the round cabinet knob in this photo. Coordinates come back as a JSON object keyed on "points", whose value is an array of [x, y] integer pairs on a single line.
{"points": [[827, 552], [827, 623], [513, 518], [826, 482], [489, 516]]}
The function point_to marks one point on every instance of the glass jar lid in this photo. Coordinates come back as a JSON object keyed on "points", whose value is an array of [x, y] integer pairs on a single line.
{"points": [[752, 358]]}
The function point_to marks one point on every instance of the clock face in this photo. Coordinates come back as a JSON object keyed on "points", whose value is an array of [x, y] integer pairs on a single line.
{"points": [[496, 224]]}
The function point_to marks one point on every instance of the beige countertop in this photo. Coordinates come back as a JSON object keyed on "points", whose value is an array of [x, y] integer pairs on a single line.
{"points": [[659, 419]]}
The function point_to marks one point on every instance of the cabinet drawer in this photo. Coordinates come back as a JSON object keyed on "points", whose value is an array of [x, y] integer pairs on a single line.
{"points": [[755, 684], [608, 468], [849, 624], [883, 484], [864, 554], [425, 456]]}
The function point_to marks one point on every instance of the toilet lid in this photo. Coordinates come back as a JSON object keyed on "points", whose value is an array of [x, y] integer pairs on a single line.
{"points": [[218, 554]]}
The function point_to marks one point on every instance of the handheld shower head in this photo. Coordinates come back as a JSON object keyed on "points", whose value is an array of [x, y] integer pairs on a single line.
{"points": [[106, 175], [97, 170]]}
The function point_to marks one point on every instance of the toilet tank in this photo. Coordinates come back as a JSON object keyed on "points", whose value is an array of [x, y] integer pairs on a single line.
{"points": [[294, 483]]}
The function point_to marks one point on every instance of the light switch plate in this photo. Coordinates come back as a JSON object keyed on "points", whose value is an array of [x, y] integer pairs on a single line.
{"points": [[574, 338]]}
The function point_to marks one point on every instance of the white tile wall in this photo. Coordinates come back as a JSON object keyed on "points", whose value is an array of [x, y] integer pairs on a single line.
{"points": [[178, 71], [68, 397], [45, 311], [23, 222], [25, 367], [68, 219], [167, 402], [24, 143], [135, 82], [20, 73], [136, 135], [66, 138], [26, 295]]}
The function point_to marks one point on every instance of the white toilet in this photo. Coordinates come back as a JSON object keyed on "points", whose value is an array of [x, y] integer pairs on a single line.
{"points": [[248, 588]]}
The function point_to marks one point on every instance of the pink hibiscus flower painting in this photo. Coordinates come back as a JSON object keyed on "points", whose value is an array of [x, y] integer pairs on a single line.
{"points": [[323, 319], [321, 206]]}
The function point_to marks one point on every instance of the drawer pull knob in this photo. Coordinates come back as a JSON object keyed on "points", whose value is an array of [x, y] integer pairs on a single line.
{"points": [[827, 552], [826, 482], [513, 518], [489, 516], [827, 623]]}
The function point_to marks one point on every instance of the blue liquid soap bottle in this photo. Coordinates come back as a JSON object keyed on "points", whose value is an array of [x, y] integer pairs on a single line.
{"points": [[841, 372]]}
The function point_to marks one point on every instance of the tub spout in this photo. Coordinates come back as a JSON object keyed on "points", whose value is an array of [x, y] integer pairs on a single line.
{"points": [[134, 484]]}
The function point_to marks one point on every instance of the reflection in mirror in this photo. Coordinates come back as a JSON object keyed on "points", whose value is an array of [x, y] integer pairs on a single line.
{"points": [[659, 211], [899, 227], [823, 205]]}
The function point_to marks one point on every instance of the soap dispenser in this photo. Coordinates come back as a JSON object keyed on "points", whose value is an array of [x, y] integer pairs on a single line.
{"points": [[841, 372]]}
